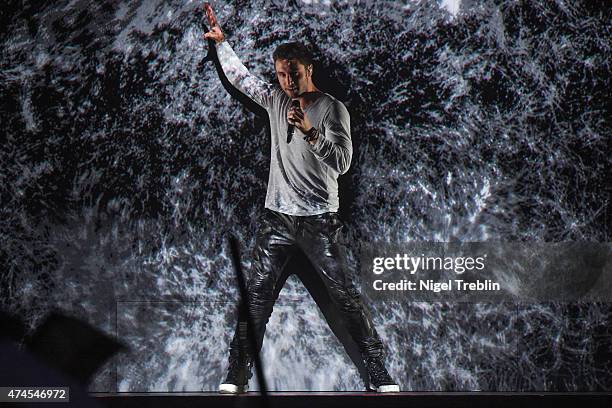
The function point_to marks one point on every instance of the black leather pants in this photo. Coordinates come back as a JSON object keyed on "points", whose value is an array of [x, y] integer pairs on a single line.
{"points": [[317, 236]]}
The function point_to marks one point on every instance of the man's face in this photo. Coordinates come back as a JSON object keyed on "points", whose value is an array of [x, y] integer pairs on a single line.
{"points": [[293, 76]]}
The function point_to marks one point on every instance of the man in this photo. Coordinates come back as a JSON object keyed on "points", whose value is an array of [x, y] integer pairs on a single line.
{"points": [[301, 201]]}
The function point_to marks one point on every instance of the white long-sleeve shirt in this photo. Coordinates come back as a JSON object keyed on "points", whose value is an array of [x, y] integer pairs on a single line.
{"points": [[303, 178]]}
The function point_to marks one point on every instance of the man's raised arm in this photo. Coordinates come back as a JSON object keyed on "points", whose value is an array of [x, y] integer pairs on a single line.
{"points": [[239, 76]]}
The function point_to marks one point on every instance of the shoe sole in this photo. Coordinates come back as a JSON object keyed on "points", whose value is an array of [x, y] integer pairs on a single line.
{"points": [[232, 389], [388, 388]]}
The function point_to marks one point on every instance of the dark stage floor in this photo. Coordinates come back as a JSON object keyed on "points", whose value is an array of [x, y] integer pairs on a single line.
{"points": [[345, 399]]}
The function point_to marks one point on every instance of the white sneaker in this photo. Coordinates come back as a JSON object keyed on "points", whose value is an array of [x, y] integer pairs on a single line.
{"points": [[226, 388], [388, 388]]}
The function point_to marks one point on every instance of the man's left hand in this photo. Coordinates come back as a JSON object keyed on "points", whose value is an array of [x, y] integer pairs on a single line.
{"points": [[297, 117]]}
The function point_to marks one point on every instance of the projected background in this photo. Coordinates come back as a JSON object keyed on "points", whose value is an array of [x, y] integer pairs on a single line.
{"points": [[125, 163]]}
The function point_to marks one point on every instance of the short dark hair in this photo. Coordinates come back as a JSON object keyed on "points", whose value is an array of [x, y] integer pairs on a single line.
{"points": [[293, 50]]}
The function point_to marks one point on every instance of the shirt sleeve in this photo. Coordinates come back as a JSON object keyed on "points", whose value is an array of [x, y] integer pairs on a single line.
{"points": [[239, 76], [334, 146]]}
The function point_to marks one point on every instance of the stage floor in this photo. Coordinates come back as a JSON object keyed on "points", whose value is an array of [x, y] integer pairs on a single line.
{"points": [[353, 399]]}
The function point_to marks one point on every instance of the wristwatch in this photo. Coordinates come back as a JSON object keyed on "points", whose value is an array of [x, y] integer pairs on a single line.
{"points": [[311, 135]]}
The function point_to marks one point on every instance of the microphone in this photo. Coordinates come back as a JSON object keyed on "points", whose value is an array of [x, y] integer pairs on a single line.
{"points": [[291, 128]]}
